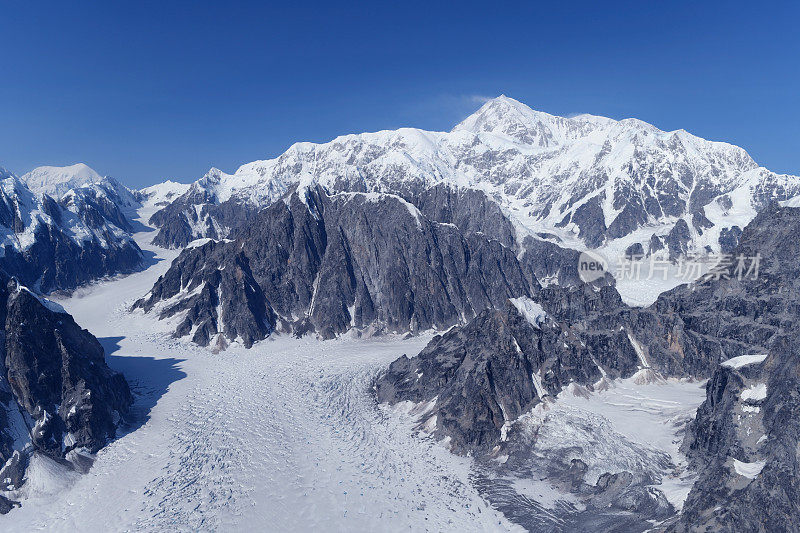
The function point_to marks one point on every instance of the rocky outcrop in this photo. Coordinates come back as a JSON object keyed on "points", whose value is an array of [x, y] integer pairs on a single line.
{"points": [[488, 390], [195, 215], [468, 209], [58, 374], [55, 261], [499, 366], [745, 434], [504, 362], [329, 263], [207, 283], [57, 395], [744, 441], [656, 245], [634, 252], [700, 222], [745, 301], [729, 238], [548, 263], [677, 240], [686, 333], [590, 221], [737, 325]]}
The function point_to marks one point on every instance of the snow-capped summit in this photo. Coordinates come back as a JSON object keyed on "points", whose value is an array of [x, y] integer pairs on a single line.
{"points": [[80, 188], [162, 193], [514, 120], [594, 182], [55, 181], [59, 243]]}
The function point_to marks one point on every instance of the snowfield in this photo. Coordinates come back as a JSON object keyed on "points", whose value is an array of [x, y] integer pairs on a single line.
{"points": [[285, 436]]}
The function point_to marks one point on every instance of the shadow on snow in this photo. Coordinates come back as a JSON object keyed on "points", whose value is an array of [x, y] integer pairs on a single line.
{"points": [[149, 379]]}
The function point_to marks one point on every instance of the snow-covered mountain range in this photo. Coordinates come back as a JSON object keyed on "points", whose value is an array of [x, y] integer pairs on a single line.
{"points": [[570, 403], [589, 181], [62, 227]]}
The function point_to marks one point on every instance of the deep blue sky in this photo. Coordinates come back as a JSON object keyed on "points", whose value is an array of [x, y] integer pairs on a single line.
{"points": [[149, 91]]}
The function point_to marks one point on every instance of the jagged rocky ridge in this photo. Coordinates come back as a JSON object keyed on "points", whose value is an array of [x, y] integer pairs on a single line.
{"points": [[504, 362], [745, 436], [58, 398], [592, 181], [475, 381], [686, 333], [374, 262], [63, 242], [475, 386], [196, 214]]}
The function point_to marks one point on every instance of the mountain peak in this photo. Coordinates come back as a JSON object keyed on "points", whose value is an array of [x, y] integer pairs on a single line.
{"points": [[509, 118], [56, 181]]}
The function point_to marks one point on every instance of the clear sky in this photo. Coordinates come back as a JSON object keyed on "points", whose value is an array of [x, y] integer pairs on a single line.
{"points": [[146, 91]]}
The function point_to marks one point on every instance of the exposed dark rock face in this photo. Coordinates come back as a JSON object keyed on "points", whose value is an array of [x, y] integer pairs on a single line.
{"points": [[687, 332], [744, 437], [744, 441], [58, 374], [475, 379], [656, 244], [744, 315], [197, 214], [56, 262], [55, 383], [484, 369], [220, 283], [729, 238], [677, 240], [477, 386], [634, 251], [549, 263], [469, 209], [700, 222], [325, 263], [590, 220], [484, 379], [472, 381], [632, 216]]}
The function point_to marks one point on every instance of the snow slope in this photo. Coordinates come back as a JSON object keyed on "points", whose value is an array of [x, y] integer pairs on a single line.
{"points": [[162, 193], [55, 181]]}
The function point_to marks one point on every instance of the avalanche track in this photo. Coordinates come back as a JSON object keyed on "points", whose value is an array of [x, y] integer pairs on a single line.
{"points": [[285, 436]]}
